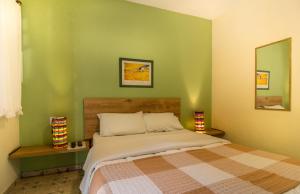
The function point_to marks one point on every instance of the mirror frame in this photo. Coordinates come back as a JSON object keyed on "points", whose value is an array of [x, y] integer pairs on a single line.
{"points": [[290, 75]]}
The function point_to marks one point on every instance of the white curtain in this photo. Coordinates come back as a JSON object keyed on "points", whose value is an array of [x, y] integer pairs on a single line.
{"points": [[10, 59]]}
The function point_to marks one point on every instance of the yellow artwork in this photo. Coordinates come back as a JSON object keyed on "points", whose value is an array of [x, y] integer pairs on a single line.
{"points": [[262, 79], [136, 72]]}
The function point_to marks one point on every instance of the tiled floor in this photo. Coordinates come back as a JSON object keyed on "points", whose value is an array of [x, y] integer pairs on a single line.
{"points": [[67, 183]]}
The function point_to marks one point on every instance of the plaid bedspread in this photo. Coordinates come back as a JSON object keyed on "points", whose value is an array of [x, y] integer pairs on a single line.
{"points": [[223, 169]]}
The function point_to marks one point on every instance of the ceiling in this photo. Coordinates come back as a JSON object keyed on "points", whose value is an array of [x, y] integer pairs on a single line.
{"points": [[209, 9]]}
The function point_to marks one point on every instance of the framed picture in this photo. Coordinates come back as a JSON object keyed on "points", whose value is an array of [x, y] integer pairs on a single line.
{"points": [[136, 73], [262, 80]]}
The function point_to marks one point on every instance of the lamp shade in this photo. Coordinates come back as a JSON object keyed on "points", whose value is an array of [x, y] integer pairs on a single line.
{"points": [[59, 132], [199, 120]]}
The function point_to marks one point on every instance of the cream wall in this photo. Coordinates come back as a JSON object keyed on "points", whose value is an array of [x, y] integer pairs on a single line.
{"points": [[9, 140], [235, 35]]}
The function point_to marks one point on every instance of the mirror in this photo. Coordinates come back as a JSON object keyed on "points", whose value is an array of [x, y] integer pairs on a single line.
{"points": [[273, 76]]}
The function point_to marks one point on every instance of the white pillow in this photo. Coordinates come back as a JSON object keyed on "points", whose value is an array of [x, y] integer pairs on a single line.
{"points": [[121, 123], [157, 122]]}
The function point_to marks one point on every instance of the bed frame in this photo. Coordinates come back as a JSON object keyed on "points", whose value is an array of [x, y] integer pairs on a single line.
{"points": [[268, 101], [93, 106]]}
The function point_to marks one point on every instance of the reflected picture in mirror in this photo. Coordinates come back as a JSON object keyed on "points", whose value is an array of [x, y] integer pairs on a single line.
{"points": [[273, 76]]}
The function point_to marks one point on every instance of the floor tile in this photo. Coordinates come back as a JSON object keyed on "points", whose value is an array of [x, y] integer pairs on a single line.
{"points": [[62, 183]]}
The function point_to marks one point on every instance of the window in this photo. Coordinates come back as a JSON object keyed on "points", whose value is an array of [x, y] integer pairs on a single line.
{"points": [[10, 59]]}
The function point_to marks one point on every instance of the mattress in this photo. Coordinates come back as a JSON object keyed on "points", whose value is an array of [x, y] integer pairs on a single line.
{"points": [[184, 162]]}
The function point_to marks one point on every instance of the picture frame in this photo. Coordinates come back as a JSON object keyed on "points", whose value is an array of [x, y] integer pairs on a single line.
{"points": [[135, 73], [262, 80]]}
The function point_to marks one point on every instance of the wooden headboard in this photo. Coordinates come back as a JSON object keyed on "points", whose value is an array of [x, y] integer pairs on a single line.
{"points": [[93, 106], [268, 101]]}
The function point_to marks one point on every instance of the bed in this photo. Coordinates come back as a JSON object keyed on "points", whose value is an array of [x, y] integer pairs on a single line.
{"points": [[269, 102], [176, 161]]}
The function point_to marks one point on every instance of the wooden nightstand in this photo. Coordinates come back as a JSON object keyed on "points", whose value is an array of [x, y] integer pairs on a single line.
{"points": [[213, 132], [33, 151]]}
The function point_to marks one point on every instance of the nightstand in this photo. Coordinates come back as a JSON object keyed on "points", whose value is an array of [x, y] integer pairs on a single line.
{"points": [[213, 132], [33, 151]]}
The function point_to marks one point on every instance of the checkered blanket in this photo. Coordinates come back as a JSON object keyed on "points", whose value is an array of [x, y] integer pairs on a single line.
{"points": [[225, 169]]}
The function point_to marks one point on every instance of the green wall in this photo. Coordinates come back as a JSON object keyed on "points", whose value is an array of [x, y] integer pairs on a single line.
{"points": [[275, 58], [71, 50]]}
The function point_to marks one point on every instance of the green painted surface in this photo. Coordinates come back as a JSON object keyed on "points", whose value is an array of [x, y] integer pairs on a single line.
{"points": [[52, 161], [276, 58], [71, 51]]}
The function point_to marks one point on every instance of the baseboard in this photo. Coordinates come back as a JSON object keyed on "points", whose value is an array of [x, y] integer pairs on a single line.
{"points": [[50, 171]]}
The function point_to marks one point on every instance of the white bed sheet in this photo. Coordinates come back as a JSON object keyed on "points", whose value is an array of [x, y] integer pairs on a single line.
{"points": [[107, 150], [119, 147]]}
